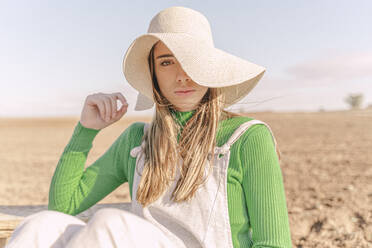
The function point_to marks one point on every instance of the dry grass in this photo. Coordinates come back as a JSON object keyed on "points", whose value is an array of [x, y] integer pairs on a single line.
{"points": [[326, 165]]}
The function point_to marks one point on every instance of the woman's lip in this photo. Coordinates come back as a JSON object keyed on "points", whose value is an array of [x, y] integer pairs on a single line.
{"points": [[184, 93]]}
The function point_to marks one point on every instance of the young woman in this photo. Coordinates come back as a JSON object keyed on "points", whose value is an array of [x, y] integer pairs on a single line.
{"points": [[199, 176]]}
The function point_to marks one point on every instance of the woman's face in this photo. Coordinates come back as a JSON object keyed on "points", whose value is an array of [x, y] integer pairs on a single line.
{"points": [[174, 82]]}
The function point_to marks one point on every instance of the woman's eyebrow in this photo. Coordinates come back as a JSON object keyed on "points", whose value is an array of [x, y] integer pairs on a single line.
{"points": [[164, 55]]}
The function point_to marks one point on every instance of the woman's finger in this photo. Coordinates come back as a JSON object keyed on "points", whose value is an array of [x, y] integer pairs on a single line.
{"points": [[101, 108], [122, 100], [107, 102], [114, 106]]}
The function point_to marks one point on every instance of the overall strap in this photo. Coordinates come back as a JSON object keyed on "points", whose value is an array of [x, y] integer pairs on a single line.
{"points": [[239, 132], [145, 127]]}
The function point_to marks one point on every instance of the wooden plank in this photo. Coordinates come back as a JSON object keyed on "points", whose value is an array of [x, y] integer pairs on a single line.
{"points": [[9, 221], [4, 234]]}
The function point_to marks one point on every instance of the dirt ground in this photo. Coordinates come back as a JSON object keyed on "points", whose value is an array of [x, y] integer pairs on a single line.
{"points": [[326, 165]]}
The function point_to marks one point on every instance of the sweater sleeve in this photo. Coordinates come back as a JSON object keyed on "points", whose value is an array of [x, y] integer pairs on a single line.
{"points": [[264, 190], [73, 189]]}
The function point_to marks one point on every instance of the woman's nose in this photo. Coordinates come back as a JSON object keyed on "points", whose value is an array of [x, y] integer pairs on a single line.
{"points": [[182, 77]]}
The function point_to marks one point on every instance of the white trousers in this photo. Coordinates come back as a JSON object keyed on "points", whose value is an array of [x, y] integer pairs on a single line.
{"points": [[108, 227]]}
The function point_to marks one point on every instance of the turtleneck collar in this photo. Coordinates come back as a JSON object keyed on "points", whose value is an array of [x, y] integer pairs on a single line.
{"points": [[182, 116]]}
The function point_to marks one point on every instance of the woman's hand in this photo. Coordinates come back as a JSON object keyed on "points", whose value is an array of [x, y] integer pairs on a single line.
{"points": [[100, 110]]}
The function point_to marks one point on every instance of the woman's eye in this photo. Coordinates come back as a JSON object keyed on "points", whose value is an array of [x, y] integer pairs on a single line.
{"points": [[165, 61]]}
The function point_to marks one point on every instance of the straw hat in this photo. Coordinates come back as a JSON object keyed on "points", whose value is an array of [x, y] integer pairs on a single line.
{"points": [[187, 34]]}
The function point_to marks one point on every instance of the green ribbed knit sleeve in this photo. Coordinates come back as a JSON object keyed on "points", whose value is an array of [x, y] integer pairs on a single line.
{"points": [[73, 189], [264, 190]]}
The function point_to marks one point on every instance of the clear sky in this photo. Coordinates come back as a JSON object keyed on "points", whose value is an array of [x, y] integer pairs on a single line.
{"points": [[55, 53]]}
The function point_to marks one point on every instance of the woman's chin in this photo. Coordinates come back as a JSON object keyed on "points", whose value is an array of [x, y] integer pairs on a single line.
{"points": [[185, 107]]}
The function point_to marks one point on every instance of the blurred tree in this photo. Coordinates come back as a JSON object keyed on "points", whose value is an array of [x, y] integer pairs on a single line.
{"points": [[354, 100]]}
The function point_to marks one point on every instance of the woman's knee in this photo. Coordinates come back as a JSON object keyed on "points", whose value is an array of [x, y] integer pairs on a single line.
{"points": [[113, 217], [106, 215], [45, 228]]}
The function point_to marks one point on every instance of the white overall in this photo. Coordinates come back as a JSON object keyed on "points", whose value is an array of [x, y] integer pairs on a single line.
{"points": [[204, 221]]}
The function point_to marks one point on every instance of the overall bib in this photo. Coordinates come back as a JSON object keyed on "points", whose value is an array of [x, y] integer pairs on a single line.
{"points": [[204, 221]]}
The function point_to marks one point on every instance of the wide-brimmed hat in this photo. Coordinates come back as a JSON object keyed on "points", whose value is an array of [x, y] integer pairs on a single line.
{"points": [[187, 34]]}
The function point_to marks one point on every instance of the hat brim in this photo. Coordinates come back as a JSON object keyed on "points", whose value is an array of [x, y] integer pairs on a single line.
{"points": [[203, 63]]}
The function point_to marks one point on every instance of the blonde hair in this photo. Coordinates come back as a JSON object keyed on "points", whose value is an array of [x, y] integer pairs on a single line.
{"points": [[197, 139]]}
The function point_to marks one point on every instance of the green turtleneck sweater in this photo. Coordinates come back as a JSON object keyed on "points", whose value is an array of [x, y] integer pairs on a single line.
{"points": [[256, 197]]}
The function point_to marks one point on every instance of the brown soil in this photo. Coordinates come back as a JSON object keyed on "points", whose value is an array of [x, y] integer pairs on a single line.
{"points": [[326, 165]]}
